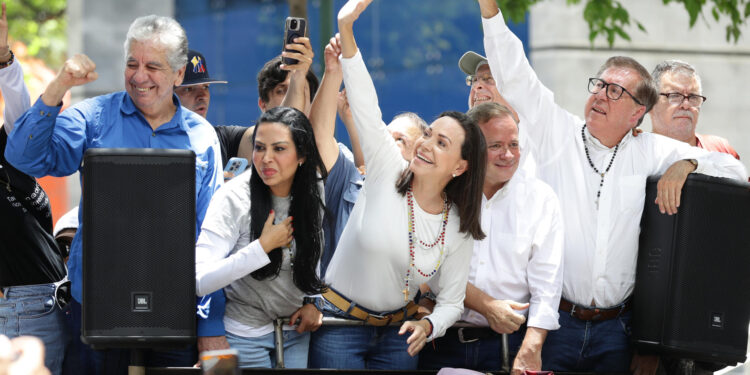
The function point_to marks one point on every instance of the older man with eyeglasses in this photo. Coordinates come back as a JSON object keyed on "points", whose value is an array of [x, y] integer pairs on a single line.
{"points": [[675, 114], [598, 170]]}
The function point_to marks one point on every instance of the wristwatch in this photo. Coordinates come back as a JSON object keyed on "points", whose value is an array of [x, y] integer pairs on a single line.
{"points": [[693, 162]]}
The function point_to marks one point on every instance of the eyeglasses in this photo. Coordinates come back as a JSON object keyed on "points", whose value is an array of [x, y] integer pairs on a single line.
{"points": [[486, 79], [676, 98], [613, 90]]}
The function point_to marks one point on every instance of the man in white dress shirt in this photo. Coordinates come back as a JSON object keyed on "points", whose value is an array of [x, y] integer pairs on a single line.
{"points": [[598, 170], [517, 270]]}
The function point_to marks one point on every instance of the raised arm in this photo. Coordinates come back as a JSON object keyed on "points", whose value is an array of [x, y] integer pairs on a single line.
{"points": [[347, 15], [78, 70], [383, 156], [345, 114], [323, 111], [296, 95], [45, 142], [520, 86], [15, 93]]}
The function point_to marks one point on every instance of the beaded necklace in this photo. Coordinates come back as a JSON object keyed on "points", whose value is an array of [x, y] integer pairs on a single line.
{"points": [[412, 234], [601, 183]]}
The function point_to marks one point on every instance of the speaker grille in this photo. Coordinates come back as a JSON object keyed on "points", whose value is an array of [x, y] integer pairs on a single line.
{"points": [[697, 302], [139, 238]]}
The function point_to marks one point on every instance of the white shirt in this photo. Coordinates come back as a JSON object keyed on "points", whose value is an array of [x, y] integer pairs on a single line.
{"points": [[15, 94], [225, 256], [372, 257], [521, 257], [601, 245]]}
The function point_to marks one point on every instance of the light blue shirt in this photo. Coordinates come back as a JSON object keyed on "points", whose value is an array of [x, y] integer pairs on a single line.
{"points": [[45, 142]]}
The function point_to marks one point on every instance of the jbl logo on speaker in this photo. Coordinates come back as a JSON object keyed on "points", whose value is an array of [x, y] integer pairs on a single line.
{"points": [[141, 302], [717, 320]]}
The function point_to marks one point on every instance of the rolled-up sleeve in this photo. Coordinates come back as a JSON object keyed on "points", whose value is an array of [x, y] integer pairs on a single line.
{"points": [[45, 142]]}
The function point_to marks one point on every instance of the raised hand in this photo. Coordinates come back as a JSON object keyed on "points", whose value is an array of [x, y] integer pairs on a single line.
{"points": [[276, 235], [4, 48], [351, 11], [77, 70], [331, 55], [304, 55], [347, 15]]}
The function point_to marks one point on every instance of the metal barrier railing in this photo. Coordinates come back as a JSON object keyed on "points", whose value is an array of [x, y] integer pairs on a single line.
{"points": [[279, 323]]}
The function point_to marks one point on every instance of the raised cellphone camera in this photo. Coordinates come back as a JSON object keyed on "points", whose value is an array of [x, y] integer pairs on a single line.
{"points": [[295, 27]]}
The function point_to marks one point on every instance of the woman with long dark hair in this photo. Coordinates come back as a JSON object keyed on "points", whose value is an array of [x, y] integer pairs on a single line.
{"points": [[414, 222], [261, 240]]}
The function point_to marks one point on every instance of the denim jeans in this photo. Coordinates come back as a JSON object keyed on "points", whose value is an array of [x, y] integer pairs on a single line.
{"points": [[260, 352], [82, 359], [481, 355], [578, 345], [358, 347], [31, 310]]}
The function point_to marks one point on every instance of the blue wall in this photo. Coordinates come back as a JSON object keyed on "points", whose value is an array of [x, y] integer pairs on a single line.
{"points": [[411, 49]]}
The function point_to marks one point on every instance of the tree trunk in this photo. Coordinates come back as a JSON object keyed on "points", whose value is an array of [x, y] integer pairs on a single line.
{"points": [[298, 8]]}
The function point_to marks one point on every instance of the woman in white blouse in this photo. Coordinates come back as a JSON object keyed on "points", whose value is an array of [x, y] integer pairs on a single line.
{"points": [[262, 239], [414, 222]]}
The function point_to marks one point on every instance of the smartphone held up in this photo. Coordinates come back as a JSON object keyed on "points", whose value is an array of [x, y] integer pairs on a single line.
{"points": [[295, 27]]}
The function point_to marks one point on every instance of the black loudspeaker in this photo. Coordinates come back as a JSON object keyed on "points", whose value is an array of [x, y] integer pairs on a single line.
{"points": [[692, 288], [138, 248]]}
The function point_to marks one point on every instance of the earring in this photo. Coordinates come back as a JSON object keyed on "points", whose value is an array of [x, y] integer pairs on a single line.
{"points": [[300, 164], [454, 175]]}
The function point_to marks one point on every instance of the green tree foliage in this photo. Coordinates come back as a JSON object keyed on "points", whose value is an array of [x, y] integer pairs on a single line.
{"points": [[609, 19], [41, 25]]}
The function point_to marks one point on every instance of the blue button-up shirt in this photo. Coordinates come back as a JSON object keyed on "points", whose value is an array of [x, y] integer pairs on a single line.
{"points": [[46, 142]]}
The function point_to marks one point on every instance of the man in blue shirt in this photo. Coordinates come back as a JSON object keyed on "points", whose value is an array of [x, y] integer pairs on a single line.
{"points": [[146, 115]]}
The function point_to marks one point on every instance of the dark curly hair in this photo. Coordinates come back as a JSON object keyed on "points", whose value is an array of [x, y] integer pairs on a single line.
{"points": [[270, 75], [305, 207]]}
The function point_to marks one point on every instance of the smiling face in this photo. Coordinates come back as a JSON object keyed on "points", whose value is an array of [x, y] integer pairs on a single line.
{"points": [[195, 98], [438, 152], [503, 152], [484, 90], [610, 120], [676, 121], [149, 80], [275, 157], [405, 132]]}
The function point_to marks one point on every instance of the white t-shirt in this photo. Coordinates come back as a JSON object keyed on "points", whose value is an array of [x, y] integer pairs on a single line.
{"points": [[372, 257]]}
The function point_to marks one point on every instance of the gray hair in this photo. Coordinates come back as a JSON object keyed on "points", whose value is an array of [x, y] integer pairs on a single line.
{"points": [[164, 30], [419, 122], [675, 67]]}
